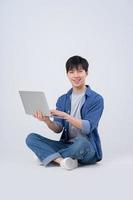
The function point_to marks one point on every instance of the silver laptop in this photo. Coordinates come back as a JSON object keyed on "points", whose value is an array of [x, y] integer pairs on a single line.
{"points": [[34, 101]]}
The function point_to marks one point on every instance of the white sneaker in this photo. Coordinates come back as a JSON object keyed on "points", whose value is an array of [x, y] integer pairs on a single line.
{"points": [[69, 163]]}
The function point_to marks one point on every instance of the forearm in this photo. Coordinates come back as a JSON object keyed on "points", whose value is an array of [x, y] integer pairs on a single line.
{"points": [[72, 120], [75, 122], [53, 126]]}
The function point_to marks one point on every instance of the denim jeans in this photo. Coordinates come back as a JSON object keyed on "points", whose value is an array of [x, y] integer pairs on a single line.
{"points": [[48, 150]]}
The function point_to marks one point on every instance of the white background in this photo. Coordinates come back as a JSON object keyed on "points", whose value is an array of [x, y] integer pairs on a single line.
{"points": [[36, 39]]}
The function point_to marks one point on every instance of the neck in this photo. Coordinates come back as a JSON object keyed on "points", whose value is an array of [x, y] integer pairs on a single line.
{"points": [[79, 89]]}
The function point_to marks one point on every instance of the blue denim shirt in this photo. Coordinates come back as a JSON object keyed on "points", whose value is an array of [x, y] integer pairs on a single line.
{"points": [[91, 112]]}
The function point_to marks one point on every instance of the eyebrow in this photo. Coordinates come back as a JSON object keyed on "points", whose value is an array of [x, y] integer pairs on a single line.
{"points": [[79, 68]]}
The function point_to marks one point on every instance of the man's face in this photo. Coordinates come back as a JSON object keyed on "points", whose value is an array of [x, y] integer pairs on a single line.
{"points": [[77, 77]]}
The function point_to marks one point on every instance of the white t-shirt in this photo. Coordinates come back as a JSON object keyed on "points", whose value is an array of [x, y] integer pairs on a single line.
{"points": [[77, 100]]}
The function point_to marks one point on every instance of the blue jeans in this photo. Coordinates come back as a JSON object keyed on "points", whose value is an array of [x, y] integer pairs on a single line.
{"points": [[48, 150]]}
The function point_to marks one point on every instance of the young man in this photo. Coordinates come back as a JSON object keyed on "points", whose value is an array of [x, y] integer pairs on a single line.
{"points": [[77, 114]]}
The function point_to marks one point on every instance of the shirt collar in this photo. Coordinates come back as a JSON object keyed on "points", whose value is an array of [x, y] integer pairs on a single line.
{"points": [[88, 91]]}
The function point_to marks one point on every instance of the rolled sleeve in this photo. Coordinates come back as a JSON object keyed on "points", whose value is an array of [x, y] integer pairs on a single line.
{"points": [[85, 127], [59, 107], [94, 114], [58, 122]]}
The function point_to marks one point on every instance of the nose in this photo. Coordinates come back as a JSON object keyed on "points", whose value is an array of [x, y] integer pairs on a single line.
{"points": [[75, 74]]}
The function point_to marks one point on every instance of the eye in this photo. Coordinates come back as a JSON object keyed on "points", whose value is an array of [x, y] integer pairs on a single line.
{"points": [[70, 72]]}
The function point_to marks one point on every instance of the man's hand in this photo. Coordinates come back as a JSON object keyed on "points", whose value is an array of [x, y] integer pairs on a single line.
{"points": [[58, 113], [75, 122], [40, 116], [53, 126]]}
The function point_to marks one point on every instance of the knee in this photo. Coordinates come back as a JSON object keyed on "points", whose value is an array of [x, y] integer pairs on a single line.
{"points": [[81, 143], [30, 138], [83, 146], [85, 151]]}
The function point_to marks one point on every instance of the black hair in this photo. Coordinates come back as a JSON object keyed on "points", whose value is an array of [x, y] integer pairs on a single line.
{"points": [[75, 62]]}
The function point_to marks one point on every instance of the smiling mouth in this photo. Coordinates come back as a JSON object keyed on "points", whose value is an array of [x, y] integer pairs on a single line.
{"points": [[77, 81]]}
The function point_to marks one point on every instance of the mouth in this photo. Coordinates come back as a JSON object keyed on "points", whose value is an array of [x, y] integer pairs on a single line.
{"points": [[76, 81]]}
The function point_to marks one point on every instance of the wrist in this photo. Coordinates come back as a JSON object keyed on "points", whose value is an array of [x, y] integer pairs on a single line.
{"points": [[47, 121], [67, 116]]}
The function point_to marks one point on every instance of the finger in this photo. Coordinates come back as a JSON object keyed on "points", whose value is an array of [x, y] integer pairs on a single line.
{"points": [[34, 114], [53, 111], [40, 114], [37, 114]]}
